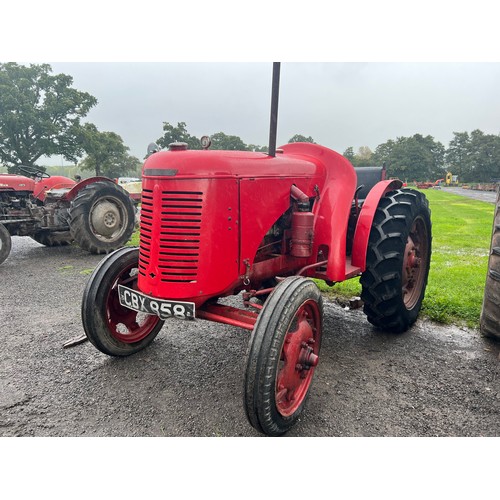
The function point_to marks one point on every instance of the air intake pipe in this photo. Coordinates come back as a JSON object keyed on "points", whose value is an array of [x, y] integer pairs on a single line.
{"points": [[302, 225]]}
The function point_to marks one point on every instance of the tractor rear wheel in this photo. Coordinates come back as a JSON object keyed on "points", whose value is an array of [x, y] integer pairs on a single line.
{"points": [[490, 314], [102, 217], [53, 238], [112, 328], [282, 355], [397, 262], [5, 243]]}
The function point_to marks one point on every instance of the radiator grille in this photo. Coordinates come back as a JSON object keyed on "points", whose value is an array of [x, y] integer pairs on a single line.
{"points": [[180, 213]]}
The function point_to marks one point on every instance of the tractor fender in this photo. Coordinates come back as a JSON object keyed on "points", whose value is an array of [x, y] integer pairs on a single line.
{"points": [[365, 220], [334, 205], [53, 182], [70, 195]]}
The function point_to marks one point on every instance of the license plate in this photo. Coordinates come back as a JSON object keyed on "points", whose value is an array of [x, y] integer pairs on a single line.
{"points": [[165, 309]]}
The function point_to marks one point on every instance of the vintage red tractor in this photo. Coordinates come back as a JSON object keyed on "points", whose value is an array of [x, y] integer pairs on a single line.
{"points": [[96, 213], [262, 226]]}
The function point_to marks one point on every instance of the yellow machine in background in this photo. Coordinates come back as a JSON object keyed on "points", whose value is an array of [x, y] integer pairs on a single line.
{"points": [[451, 180]]}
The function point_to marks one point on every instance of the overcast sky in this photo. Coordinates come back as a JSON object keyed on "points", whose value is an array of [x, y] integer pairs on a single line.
{"points": [[338, 104]]}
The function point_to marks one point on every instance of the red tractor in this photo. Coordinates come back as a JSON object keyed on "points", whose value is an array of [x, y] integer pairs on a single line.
{"points": [[262, 226], [95, 213]]}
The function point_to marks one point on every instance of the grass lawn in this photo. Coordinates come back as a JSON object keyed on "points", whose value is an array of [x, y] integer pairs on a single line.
{"points": [[461, 238], [461, 229]]}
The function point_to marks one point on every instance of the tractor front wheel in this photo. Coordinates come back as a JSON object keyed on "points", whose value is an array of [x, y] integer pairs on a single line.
{"points": [[112, 328], [397, 262], [102, 217], [282, 355], [5, 243]]}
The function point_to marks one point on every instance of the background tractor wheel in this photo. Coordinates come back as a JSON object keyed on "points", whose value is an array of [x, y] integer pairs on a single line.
{"points": [[102, 217], [53, 238], [5, 243], [490, 314], [116, 330], [397, 262], [282, 355]]}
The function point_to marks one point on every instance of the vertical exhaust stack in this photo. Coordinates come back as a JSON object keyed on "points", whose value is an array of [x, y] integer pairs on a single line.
{"points": [[274, 108]]}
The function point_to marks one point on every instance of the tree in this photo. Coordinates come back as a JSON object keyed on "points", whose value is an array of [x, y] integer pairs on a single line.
{"points": [[227, 142], [412, 158], [349, 154], [39, 114], [258, 149], [485, 156], [474, 157], [301, 138], [177, 134], [363, 158], [106, 153], [458, 155]]}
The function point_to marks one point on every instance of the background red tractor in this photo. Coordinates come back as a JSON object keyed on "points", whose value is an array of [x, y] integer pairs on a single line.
{"points": [[95, 213], [222, 223]]}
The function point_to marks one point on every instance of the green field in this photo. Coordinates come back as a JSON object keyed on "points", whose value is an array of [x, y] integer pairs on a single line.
{"points": [[461, 238]]}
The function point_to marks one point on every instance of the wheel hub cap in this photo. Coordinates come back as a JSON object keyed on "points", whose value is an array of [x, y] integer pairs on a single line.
{"points": [[414, 264], [105, 218], [299, 357]]}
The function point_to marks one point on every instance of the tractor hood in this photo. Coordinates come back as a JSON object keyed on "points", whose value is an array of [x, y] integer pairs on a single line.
{"points": [[13, 182], [223, 164]]}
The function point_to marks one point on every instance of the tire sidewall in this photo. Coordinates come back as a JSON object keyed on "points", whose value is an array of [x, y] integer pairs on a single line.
{"points": [[81, 227], [5, 243], [263, 355], [419, 210]]}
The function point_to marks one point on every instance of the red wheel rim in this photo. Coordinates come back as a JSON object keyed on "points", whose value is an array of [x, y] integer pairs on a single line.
{"points": [[299, 357], [415, 263], [124, 324]]}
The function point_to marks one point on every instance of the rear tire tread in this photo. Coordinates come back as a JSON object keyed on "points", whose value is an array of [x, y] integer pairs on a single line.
{"points": [[382, 280], [490, 313], [79, 217]]}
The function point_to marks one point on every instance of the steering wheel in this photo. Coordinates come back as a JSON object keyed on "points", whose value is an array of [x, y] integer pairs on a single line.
{"points": [[33, 171]]}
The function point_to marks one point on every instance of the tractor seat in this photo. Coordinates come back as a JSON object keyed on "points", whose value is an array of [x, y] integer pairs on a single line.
{"points": [[367, 178]]}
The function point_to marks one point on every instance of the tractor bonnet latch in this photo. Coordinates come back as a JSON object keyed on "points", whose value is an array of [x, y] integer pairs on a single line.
{"points": [[246, 276]]}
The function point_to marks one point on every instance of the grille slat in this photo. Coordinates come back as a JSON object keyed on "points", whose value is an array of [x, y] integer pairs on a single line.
{"points": [[181, 214]]}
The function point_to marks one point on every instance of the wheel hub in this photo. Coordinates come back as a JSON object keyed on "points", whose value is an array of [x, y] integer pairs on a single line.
{"points": [[413, 276], [124, 324], [299, 357], [105, 218]]}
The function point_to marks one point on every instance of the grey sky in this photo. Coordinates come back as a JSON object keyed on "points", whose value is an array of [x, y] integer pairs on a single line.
{"points": [[338, 104]]}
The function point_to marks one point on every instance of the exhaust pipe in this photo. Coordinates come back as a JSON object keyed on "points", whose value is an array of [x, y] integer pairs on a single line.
{"points": [[274, 109]]}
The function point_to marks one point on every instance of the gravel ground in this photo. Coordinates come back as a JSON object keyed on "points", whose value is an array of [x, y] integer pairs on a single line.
{"points": [[430, 381]]}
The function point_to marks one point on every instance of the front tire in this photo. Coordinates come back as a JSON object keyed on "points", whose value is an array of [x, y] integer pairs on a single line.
{"points": [[5, 243], [398, 260], [116, 330], [282, 355], [102, 217]]}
